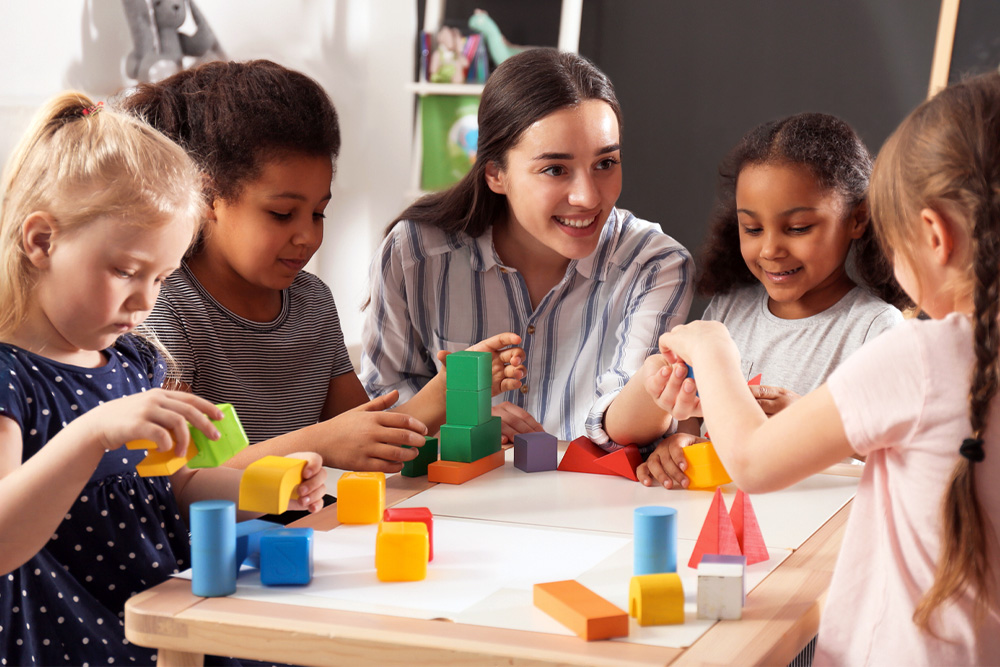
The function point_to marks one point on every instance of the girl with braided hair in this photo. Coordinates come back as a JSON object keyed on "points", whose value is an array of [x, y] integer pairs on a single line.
{"points": [[917, 578]]}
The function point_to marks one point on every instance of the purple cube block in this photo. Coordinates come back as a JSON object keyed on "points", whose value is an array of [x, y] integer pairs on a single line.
{"points": [[535, 452]]}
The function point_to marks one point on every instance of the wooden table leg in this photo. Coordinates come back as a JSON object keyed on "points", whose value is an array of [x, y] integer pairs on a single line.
{"points": [[168, 658]]}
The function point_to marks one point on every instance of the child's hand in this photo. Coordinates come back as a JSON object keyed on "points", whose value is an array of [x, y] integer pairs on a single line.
{"points": [[513, 421], [158, 415], [313, 484], [773, 400], [671, 389], [508, 360], [679, 343], [666, 464], [367, 438]]}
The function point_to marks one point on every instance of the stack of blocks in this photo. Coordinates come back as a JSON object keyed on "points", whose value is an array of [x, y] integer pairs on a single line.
{"points": [[201, 452], [470, 437], [428, 455]]}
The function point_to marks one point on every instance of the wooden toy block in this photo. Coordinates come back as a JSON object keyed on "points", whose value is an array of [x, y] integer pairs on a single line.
{"points": [[453, 472], [232, 439], [581, 456], [467, 408], [286, 557], [401, 551], [469, 371], [622, 462], [747, 530], [654, 540], [159, 463], [413, 514], [213, 548], [754, 381], [717, 535], [704, 467], [360, 497], [720, 591], [741, 561], [418, 466], [466, 444], [535, 452], [581, 610], [656, 599], [248, 541], [269, 483]]}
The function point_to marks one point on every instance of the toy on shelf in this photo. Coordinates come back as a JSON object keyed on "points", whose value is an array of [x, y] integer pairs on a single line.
{"points": [[360, 497], [717, 535], [654, 540], [269, 483], [213, 548], [286, 557], [159, 45], [704, 468], [582, 455], [418, 466], [581, 610], [656, 599], [535, 452], [747, 530], [497, 45], [401, 551], [720, 591], [201, 452], [412, 514], [448, 62]]}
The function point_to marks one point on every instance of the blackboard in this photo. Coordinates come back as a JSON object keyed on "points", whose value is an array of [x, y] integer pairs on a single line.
{"points": [[968, 41]]}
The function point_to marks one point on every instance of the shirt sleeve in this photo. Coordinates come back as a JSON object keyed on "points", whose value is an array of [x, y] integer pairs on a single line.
{"points": [[880, 390], [885, 320], [659, 299], [168, 329], [394, 356], [13, 403]]}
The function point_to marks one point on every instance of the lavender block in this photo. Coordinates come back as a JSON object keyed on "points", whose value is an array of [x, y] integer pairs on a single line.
{"points": [[535, 452]]}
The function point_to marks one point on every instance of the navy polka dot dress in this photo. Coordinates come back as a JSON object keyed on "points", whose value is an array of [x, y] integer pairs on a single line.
{"points": [[123, 534]]}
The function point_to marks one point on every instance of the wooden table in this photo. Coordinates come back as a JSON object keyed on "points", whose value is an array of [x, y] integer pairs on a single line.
{"points": [[780, 617]]}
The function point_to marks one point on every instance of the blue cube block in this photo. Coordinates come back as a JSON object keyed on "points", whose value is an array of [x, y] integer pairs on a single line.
{"points": [[248, 541], [286, 556], [535, 452]]}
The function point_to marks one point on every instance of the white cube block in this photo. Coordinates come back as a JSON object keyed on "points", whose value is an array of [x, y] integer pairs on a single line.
{"points": [[720, 591]]}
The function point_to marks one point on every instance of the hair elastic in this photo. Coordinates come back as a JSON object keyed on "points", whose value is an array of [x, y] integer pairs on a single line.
{"points": [[972, 449], [87, 111]]}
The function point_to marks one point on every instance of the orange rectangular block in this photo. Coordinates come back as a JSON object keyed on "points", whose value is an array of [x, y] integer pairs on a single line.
{"points": [[581, 610], [453, 472]]}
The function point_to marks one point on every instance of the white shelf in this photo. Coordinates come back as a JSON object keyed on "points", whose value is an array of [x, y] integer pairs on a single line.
{"points": [[428, 88]]}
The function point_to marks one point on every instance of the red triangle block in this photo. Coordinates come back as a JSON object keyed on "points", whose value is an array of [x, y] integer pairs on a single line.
{"points": [[581, 456], [755, 380], [717, 535], [747, 530], [622, 462]]}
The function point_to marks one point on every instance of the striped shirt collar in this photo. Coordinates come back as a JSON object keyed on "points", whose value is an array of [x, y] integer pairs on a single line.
{"points": [[594, 266]]}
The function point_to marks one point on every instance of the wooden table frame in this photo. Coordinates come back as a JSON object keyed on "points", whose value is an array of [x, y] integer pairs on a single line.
{"points": [[780, 617]]}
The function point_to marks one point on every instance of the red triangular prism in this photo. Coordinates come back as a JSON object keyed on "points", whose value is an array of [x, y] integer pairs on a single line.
{"points": [[747, 530], [581, 456], [622, 462], [717, 535], [755, 380]]}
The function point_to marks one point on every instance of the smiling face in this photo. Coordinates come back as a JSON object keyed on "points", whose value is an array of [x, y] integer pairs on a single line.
{"points": [[794, 237], [561, 181]]}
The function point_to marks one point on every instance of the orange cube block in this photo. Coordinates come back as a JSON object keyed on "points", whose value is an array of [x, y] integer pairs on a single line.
{"points": [[581, 610], [401, 551], [453, 472], [704, 467], [360, 497], [159, 463]]}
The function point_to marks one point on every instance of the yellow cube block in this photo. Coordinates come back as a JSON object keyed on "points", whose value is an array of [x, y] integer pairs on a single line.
{"points": [[269, 483], [360, 497], [704, 468], [656, 599], [401, 550]]}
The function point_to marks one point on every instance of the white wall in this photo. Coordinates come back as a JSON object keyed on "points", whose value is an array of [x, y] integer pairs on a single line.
{"points": [[361, 51]]}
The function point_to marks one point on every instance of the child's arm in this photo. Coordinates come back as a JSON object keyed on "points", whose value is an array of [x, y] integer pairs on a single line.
{"points": [[760, 454], [35, 495], [633, 416]]}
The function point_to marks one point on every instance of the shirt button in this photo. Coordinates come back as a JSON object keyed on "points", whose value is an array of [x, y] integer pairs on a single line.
{"points": [[531, 328], [503, 270], [524, 389]]}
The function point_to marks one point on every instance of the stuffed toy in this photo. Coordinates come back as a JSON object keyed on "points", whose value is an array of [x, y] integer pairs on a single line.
{"points": [[159, 47], [498, 46]]}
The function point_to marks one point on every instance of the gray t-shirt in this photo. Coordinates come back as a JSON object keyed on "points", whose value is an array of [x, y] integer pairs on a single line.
{"points": [[799, 354]]}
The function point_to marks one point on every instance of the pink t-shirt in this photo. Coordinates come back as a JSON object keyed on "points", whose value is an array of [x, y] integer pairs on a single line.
{"points": [[903, 399]]}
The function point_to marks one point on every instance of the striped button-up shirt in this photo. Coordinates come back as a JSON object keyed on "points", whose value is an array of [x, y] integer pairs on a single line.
{"points": [[432, 291]]}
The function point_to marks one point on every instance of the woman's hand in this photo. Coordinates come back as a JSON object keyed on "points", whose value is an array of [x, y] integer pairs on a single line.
{"points": [[514, 421], [508, 360]]}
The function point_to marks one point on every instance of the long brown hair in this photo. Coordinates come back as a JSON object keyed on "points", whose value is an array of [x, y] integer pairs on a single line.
{"points": [[946, 156], [523, 89], [839, 161]]}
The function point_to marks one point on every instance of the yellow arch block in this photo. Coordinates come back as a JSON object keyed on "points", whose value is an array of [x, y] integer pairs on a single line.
{"points": [[704, 468], [269, 483], [656, 599]]}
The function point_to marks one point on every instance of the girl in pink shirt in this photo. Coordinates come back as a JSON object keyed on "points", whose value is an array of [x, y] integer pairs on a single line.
{"points": [[917, 578]]}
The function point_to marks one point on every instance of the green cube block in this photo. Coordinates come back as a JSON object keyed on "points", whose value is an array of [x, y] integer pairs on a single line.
{"points": [[470, 443], [232, 439], [469, 371], [467, 408], [418, 466]]}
